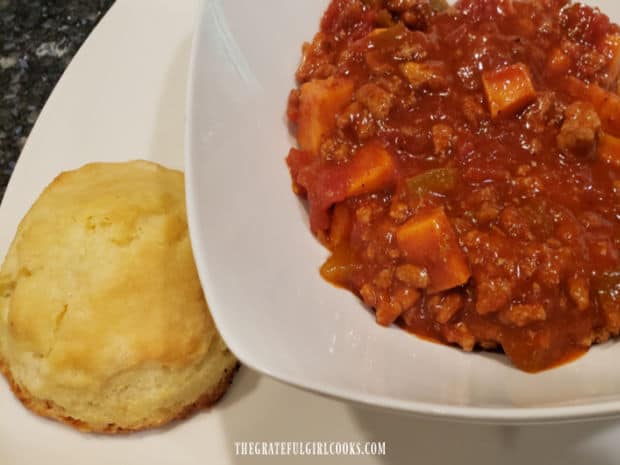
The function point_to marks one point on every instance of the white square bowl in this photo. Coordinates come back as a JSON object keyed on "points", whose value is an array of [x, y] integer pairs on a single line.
{"points": [[259, 263]]}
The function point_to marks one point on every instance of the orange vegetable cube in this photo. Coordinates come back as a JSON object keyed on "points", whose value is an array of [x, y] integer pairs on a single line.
{"points": [[370, 170], [609, 149], [508, 90], [319, 102], [429, 240]]}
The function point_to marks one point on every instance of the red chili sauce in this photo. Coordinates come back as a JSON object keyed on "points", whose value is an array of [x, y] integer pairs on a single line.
{"points": [[462, 164]]}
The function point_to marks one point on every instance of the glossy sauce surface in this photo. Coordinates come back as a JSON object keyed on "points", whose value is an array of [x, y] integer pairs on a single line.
{"points": [[463, 166]]}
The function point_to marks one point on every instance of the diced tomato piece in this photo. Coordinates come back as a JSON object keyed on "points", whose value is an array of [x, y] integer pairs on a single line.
{"points": [[609, 149], [325, 190], [297, 161], [508, 90], [323, 186], [607, 104], [370, 170], [319, 102], [429, 240]]}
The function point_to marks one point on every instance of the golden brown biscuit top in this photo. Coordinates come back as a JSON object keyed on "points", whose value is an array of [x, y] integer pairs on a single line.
{"points": [[100, 278]]}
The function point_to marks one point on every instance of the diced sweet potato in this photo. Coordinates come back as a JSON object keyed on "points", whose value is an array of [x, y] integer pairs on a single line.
{"points": [[319, 102], [508, 90], [370, 170], [429, 240], [607, 104], [609, 149], [523, 315]]}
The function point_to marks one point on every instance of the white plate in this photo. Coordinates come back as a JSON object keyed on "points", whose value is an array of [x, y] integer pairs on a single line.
{"points": [[123, 97], [259, 263]]}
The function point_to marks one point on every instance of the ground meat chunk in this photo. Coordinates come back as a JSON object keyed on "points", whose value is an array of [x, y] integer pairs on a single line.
{"points": [[611, 311], [485, 194], [515, 224], [413, 276], [335, 150], [445, 308], [579, 291], [492, 294], [528, 186], [365, 126], [364, 214], [416, 18], [607, 288], [411, 51], [348, 116], [461, 335], [392, 84], [389, 299], [376, 63], [383, 280], [443, 138], [426, 75], [369, 294], [390, 307], [400, 6], [553, 264], [522, 315], [377, 100], [357, 117], [544, 111], [317, 59], [399, 212], [473, 111], [580, 129], [487, 212], [405, 298], [414, 13]]}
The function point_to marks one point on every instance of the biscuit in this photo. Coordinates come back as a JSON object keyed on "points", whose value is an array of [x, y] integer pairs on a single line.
{"points": [[103, 321]]}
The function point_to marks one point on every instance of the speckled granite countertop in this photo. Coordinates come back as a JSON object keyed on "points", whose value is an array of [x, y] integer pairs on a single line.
{"points": [[38, 39]]}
